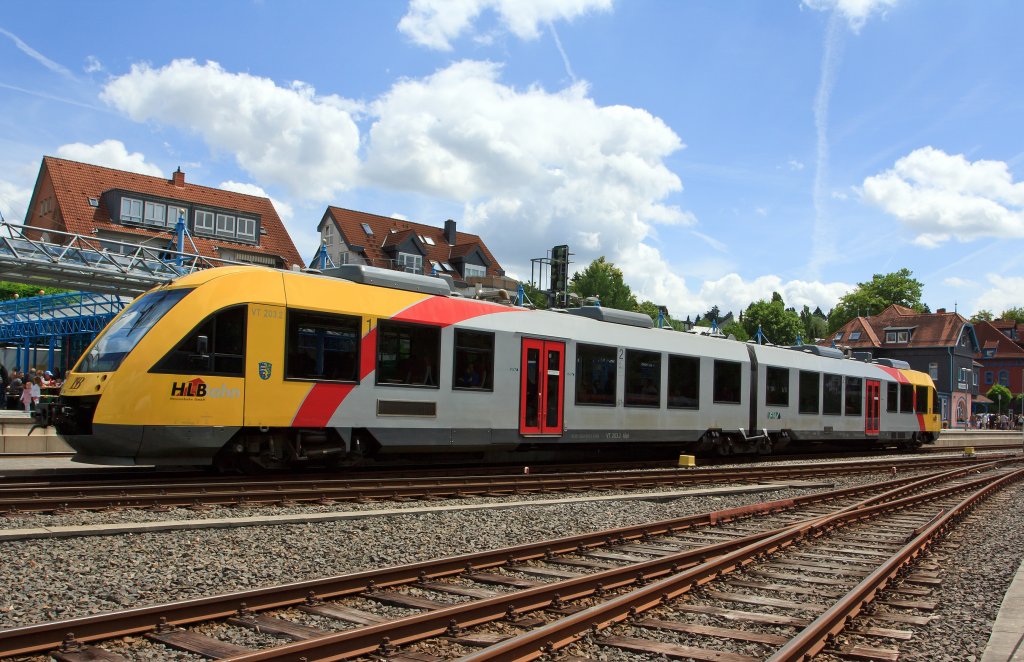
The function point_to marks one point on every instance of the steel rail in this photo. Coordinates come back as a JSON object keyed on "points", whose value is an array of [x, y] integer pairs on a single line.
{"points": [[561, 633], [812, 639], [47, 636], [35, 498]]}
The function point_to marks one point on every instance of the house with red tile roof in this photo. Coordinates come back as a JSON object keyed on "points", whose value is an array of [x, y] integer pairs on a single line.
{"points": [[123, 208], [1001, 356], [355, 237], [942, 344]]}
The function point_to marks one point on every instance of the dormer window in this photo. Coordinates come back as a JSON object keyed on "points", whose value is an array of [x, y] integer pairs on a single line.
{"points": [[155, 214], [204, 222], [897, 336], [225, 225], [411, 263], [246, 228], [131, 210], [855, 335], [839, 336], [473, 271]]}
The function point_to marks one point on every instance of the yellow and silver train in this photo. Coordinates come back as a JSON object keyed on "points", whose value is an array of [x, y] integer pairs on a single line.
{"points": [[250, 367]]}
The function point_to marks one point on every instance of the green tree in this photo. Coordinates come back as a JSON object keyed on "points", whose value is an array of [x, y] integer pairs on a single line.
{"points": [[537, 297], [814, 324], [982, 316], [736, 330], [1001, 396], [604, 280], [1016, 314], [874, 296], [779, 326]]}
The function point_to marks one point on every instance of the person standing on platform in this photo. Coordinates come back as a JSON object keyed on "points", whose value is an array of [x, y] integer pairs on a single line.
{"points": [[37, 391], [26, 396], [5, 377]]}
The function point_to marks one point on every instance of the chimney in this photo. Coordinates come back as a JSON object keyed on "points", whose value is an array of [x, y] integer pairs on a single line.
{"points": [[940, 311], [178, 177], [449, 232]]}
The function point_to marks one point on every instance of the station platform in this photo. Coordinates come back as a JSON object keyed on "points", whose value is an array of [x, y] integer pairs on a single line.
{"points": [[17, 435], [1007, 641]]}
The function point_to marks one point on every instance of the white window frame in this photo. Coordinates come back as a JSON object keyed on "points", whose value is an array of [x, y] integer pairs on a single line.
{"points": [[149, 215], [411, 262], [223, 227], [134, 205], [933, 371], [249, 224], [473, 271], [205, 222]]}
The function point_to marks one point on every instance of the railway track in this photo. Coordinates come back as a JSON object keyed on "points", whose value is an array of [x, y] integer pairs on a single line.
{"points": [[18, 498], [520, 602]]}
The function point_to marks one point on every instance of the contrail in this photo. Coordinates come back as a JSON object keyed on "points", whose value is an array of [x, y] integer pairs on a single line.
{"points": [[823, 247], [565, 58], [37, 56]]}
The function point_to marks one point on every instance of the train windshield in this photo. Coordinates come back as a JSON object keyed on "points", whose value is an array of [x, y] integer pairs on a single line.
{"points": [[118, 339]]}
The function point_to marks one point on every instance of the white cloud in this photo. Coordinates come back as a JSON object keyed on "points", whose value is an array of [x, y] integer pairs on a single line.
{"points": [[941, 196], [111, 154], [14, 201], [284, 210], [732, 293], [532, 168], [435, 23], [795, 165], [92, 64], [856, 12], [283, 135], [1004, 293], [955, 281]]}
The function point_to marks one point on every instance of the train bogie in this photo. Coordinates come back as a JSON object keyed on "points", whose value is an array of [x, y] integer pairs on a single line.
{"points": [[251, 367]]}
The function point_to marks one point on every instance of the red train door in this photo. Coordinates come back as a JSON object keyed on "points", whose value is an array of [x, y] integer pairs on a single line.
{"points": [[871, 406], [541, 394]]}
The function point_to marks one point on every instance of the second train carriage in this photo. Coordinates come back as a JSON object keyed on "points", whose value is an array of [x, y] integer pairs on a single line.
{"points": [[254, 367]]}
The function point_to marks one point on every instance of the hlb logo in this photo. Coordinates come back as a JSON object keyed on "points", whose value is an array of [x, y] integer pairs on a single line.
{"points": [[197, 389], [193, 389]]}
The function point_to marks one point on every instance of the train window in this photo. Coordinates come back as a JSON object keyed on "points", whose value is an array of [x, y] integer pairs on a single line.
{"points": [[683, 382], [225, 347], [892, 397], [776, 387], [726, 388], [854, 395], [809, 392], [322, 347], [832, 402], [474, 360], [408, 354], [922, 399], [595, 375], [125, 332], [906, 398], [643, 378]]}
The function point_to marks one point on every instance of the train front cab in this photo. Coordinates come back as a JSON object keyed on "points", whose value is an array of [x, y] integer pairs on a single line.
{"points": [[925, 406]]}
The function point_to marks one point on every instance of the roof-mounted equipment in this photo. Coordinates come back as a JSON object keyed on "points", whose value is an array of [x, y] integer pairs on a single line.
{"points": [[614, 316], [396, 280], [818, 350]]}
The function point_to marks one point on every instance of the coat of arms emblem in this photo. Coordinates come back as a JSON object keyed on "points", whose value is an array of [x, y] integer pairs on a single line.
{"points": [[265, 368]]}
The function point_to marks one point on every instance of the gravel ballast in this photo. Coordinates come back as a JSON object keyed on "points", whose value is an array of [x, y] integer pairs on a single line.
{"points": [[43, 580]]}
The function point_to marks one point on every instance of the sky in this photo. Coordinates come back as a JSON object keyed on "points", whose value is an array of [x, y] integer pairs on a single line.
{"points": [[714, 150]]}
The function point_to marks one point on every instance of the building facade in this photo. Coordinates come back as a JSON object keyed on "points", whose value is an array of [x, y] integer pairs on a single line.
{"points": [[122, 209], [942, 344], [1001, 358], [355, 237]]}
